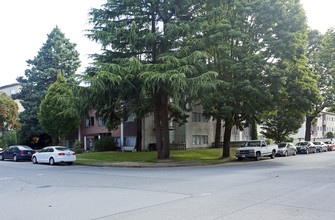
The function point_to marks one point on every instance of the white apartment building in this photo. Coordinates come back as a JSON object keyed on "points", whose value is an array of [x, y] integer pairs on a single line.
{"points": [[324, 124]]}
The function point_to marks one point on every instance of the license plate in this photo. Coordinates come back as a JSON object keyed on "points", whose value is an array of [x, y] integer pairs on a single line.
{"points": [[29, 152], [243, 155]]}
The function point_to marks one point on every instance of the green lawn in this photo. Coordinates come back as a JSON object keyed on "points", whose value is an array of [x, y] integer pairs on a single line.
{"points": [[202, 155]]}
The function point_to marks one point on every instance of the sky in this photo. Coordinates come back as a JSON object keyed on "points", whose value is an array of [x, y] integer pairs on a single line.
{"points": [[25, 24]]}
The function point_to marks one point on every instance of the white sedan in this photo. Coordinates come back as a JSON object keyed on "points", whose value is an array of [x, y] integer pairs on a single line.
{"points": [[53, 155]]}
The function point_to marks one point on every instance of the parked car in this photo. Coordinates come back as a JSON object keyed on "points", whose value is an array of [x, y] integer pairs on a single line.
{"points": [[286, 149], [330, 145], [320, 146], [17, 152], [256, 149], [53, 155], [305, 147], [1, 149]]}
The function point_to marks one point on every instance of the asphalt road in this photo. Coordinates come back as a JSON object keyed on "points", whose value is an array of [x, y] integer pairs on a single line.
{"points": [[300, 187]]}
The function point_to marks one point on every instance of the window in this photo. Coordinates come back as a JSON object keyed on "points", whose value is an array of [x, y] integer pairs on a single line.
{"points": [[89, 121], [199, 117], [101, 121], [131, 118], [129, 141], [199, 139]]}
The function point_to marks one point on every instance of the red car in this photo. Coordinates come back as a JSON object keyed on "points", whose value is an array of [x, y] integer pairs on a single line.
{"points": [[330, 145]]}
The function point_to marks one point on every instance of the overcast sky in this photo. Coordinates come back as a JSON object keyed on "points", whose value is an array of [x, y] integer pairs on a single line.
{"points": [[25, 24]]}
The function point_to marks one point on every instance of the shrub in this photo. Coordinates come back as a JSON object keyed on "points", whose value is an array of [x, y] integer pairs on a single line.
{"points": [[289, 139], [330, 134], [107, 143], [9, 139], [77, 148]]}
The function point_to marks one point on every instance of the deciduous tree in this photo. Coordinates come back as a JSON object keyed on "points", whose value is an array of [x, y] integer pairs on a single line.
{"points": [[9, 116]]}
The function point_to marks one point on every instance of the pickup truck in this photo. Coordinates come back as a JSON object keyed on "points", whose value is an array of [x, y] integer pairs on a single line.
{"points": [[256, 149]]}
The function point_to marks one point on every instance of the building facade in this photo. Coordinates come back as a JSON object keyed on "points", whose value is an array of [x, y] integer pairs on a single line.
{"points": [[324, 124]]}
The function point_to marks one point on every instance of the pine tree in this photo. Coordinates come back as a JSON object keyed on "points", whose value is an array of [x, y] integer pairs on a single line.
{"points": [[58, 114], [57, 54], [145, 52]]}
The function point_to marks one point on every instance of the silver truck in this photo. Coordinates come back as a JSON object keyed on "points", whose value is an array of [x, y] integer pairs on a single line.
{"points": [[256, 149]]}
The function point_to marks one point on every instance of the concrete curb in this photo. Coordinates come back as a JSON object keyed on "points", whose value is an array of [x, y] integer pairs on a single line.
{"points": [[158, 165]]}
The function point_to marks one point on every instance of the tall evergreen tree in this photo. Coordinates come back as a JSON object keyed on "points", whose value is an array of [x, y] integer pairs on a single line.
{"points": [[58, 114], [57, 54], [148, 36]]}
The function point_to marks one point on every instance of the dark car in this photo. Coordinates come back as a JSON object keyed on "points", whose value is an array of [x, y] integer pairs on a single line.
{"points": [[17, 152], [286, 149], [305, 147], [330, 145]]}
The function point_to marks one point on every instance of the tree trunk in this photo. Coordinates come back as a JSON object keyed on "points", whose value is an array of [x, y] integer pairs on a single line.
{"points": [[165, 126], [217, 143], [158, 127], [138, 144], [254, 133], [309, 120], [227, 136]]}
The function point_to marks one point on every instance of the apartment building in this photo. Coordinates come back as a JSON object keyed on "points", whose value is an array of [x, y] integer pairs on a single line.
{"points": [[324, 124]]}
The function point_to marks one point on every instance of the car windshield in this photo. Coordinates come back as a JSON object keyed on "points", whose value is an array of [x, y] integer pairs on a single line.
{"points": [[24, 148], [282, 145], [252, 144], [62, 148], [301, 144], [327, 142]]}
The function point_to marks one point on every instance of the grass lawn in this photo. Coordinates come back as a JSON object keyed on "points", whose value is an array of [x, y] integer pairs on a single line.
{"points": [[200, 156]]}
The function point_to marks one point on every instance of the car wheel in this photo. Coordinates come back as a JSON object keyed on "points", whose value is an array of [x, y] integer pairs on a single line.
{"points": [[258, 155], [34, 160], [69, 163], [1, 157], [15, 158], [273, 154], [51, 161], [240, 158], [286, 154]]}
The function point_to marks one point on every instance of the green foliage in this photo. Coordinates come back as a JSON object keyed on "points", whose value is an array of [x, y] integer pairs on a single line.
{"points": [[289, 139], [78, 148], [330, 134], [8, 139], [58, 114], [57, 54], [268, 141], [321, 50], [257, 47], [146, 61], [107, 143], [9, 118]]}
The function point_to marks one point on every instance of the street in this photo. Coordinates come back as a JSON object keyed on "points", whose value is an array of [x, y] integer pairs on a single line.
{"points": [[295, 187]]}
